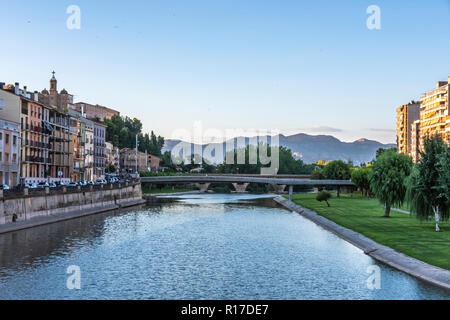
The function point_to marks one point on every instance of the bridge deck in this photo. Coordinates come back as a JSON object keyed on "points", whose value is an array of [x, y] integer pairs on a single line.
{"points": [[244, 179]]}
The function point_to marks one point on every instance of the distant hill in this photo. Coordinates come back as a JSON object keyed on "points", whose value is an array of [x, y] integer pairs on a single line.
{"points": [[312, 148]]}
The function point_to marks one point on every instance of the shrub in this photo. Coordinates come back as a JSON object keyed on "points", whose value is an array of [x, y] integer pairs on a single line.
{"points": [[323, 196]]}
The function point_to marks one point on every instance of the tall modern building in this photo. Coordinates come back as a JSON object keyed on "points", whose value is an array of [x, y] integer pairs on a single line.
{"points": [[415, 140], [406, 115], [434, 112]]}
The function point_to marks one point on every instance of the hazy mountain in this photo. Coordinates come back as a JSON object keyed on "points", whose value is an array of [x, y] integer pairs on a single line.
{"points": [[311, 148]]}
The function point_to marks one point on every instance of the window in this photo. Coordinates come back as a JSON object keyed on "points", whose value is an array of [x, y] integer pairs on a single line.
{"points": [[6, 157], [1, 136], [14, 140], [14, 157], [7, 139], [1, 156], [2, 104]]}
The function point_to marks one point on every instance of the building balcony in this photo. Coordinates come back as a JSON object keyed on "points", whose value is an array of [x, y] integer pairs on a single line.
{"points": [[35, 159], [8, 166]]}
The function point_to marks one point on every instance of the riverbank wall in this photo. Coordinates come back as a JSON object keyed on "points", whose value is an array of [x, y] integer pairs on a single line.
{"points": [[47, 203], [414, 267]]}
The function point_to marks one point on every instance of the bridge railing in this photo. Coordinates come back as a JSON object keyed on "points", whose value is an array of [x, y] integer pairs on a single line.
{"points": [[244, 179]]}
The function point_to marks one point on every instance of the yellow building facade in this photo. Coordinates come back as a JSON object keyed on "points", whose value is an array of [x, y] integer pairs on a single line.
{"points": [[406, 115], [434, 112]]}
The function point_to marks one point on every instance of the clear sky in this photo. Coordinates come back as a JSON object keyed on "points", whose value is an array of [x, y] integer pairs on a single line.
{"points": [[295, 66]]}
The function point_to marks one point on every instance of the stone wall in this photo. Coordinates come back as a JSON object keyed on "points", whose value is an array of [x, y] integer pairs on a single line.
{"points": [[51, 203]]}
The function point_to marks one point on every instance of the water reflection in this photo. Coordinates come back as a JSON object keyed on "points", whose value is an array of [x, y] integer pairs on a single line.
{"points": [[202, 247]]}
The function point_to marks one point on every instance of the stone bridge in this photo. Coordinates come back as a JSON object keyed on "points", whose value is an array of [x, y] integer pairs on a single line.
{"points": [[240, 182]]}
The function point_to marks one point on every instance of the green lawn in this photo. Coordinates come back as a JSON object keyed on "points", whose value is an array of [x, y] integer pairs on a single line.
{"points": [[401, 232], [166, 190]]}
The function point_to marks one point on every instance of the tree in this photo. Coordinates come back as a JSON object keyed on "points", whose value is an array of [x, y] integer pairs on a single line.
{"points": [[110, 168], [337, 170], [323, 196], [122, 131], [360, 178], [429, 185], [287, 163], [380, 151], [318, 175], [387, 179]]}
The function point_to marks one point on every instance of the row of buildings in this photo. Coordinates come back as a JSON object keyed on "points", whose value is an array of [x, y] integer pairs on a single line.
{"points": [[46, 137], [419, 120]]}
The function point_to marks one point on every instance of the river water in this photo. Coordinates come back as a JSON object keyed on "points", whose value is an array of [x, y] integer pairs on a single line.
{"points": [[201, 247]]}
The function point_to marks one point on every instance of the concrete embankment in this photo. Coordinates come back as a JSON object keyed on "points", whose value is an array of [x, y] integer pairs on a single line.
{"points": [[49, 206], [419, 269]]}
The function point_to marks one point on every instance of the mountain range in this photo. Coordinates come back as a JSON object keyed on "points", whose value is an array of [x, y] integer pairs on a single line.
{"points": [[309, 148]]}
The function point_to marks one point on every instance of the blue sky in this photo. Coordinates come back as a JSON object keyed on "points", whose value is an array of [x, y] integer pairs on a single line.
{"points": [[295, 66]]}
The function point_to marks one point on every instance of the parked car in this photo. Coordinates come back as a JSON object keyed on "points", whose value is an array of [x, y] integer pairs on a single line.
{"points": [[33, 186], [91, 183], [42, 185], [4, 187], [113, 180], [83, 183], [101, 181], [52, 185], [73, 185]]}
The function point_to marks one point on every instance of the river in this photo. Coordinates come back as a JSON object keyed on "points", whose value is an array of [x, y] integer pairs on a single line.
{"points": [[201, 247]]}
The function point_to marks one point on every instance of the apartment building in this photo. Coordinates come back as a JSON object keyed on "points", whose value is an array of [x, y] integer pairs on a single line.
{"points": [[434, 112], [99, 150], [406, 115], [9, 137], [44, 139], [112, 156], [154, 163], [447, 129], [35, 140], [88, 149], [61, 146], [128, 161], [77, 131], [94, 112]]}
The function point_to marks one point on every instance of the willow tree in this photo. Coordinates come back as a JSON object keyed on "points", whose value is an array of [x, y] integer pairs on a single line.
{"points": [[387, 178], [429, 185]]}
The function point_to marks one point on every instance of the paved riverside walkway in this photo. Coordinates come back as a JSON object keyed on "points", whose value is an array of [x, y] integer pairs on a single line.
{"points": [[20, 225], [414, 267]]}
